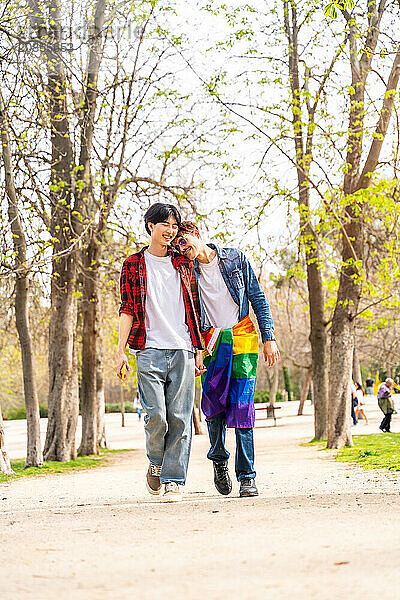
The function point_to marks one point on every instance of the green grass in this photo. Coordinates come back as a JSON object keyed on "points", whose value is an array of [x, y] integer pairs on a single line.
{"points": [[315, 442], [263, 396], [116, 407], [16, 413], [50, 467], [374, 451]]}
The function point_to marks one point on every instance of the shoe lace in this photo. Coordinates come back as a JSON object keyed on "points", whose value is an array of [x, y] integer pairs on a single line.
{"points": [[171, 486], [222, 470], [155, 470]]}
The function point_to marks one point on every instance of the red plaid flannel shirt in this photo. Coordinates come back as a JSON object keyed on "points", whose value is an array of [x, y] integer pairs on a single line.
{"points": [[133, 288]]}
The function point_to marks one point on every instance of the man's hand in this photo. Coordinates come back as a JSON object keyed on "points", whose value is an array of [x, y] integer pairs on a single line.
{"points": [[125, 324], [199, 367], [271, 353], [122, 360]]}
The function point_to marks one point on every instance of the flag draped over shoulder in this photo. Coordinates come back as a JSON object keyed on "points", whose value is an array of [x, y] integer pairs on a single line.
{"points": [[230, 379]]}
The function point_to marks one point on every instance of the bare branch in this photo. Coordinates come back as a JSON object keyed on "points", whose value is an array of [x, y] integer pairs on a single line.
{"points": [[382, 125]]}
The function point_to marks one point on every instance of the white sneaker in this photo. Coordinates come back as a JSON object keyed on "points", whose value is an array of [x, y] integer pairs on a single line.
{"points": [[172, 492]]}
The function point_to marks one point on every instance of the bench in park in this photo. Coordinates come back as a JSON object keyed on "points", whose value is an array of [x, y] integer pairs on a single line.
{"points": [[270, 411]]}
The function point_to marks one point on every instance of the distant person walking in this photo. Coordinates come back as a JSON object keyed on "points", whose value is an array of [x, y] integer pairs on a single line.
{"points": [[386, 404], [354, 403], [369, 384], [360, 402], [137, 406]]}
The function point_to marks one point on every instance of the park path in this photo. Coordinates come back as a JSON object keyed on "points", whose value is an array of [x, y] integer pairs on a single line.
{"points": [[319, 529]]}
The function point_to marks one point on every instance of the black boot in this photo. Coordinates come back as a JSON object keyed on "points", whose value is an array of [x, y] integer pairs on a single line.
{"points": [[248, 488], [222, 480]]}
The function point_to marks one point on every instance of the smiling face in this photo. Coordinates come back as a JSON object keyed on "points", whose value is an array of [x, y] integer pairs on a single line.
{"points": [[189, 244], [163, 233]]}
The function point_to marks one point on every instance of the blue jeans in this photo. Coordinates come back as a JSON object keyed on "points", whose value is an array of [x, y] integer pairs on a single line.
{"points": [[244, 458], [353, 413], [166, 391]]}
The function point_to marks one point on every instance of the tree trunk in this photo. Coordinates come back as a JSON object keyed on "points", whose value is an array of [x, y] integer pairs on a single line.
{"points": [[356, 367], [101, 404], [63, 401], [90, 314], [91, 410], [34, 456], [339, 434], [350, 282], [319, 353], [309, 239], [304, 390], [349, 291], [92, 394], [65, 226], [343, 330], [5, 467]]}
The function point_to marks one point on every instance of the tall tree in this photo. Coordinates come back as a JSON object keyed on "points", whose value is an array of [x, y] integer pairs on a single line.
{"points": [[303, 135], [63, 366], [34, 456], [357, 179], [91, 402]]}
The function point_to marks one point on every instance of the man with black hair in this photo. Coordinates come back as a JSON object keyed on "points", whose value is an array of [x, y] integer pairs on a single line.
{"points": [[158, 321]]}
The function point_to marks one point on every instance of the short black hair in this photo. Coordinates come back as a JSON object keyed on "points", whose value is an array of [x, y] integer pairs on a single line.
{"points": [[159, 213]]}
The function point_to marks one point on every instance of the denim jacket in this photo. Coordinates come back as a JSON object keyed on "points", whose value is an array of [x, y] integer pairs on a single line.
{"points": [[243, 286]]}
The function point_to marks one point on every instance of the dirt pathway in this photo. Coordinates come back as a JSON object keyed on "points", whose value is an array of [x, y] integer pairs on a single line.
{"points": [[319, 529]]}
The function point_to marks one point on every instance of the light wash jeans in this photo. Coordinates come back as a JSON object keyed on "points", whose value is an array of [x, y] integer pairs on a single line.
{"points": [[166, 390]]}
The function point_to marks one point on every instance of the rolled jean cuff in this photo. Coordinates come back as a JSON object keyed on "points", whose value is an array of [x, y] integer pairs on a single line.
{"points": [[156, 463], [172, 480], [246, 476]]}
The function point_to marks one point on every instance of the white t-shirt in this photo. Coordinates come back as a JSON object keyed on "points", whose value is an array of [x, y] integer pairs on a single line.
{"points": [[222, 311], [166, 328]]}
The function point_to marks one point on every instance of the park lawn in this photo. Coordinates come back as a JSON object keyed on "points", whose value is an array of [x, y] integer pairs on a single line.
{"points": [[373, 451], [50, 467]]}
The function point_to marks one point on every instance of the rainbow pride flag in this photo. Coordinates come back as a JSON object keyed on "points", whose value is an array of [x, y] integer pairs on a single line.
{"points": [[230, 379]]}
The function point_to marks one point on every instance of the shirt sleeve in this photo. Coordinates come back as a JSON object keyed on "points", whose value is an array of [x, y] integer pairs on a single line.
{"points": [[258, 301], [126, 291]]}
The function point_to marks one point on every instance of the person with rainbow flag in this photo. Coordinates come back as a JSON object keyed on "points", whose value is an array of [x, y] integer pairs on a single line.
{"points": [[227, 285]]}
